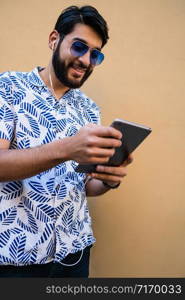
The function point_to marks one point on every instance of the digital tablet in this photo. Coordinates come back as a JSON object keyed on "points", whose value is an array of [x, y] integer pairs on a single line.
{"points": [[133, 135]]}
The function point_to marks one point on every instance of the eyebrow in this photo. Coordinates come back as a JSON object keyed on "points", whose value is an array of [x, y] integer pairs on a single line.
{"points": [[85, 42]]}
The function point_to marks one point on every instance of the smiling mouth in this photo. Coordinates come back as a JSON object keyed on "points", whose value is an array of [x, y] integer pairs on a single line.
{"points": [[78, 71]]}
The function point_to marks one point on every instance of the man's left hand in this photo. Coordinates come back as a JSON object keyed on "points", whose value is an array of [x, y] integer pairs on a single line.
{"points": [[112, 175]]}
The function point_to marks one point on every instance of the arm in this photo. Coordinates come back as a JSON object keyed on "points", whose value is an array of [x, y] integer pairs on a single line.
{"points": [[23, 163], [110, 175], [89, 145], [95, 187]]}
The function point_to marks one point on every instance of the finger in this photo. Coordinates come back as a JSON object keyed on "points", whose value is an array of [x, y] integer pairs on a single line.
{"points": [[98, 160], [100, 152], [108, 132], [107, 177], [119, 171], [107, 142]]}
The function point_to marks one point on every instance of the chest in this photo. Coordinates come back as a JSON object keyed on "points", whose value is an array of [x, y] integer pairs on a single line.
{"points": [[39, 120]]}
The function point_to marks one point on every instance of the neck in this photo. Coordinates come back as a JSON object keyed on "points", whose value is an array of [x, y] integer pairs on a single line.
{"points": [[49, 78]]}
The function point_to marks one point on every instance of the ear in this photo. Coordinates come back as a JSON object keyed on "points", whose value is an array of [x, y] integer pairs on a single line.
{"points": [[53, 39]]}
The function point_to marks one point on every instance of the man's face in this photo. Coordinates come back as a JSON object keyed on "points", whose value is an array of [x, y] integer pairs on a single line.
{"points": [[73, 71]]}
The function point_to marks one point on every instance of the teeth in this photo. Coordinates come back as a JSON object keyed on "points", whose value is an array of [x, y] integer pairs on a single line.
{"points": [[77, 68], [80, 70]]}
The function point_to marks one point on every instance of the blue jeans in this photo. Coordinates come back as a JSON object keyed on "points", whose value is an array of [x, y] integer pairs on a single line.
{"points": [[52, 270]]}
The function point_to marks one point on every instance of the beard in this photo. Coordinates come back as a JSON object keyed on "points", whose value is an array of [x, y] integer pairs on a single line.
{"points": [[61, 70]]}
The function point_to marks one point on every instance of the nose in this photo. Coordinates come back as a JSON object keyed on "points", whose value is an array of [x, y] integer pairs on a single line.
{"points": [[85, 59]]}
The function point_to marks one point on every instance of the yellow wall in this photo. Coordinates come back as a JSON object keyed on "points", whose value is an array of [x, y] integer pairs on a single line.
{"points": [[140, 228]]}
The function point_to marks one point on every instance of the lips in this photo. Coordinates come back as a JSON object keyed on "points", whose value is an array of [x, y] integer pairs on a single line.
{"points": [[77, 71]]}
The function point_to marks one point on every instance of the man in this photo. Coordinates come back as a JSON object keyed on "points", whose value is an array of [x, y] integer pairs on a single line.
{"points": [[47, 127]]}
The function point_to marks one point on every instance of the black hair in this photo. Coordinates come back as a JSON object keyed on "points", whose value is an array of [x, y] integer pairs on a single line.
{"points": [[87, 15]]}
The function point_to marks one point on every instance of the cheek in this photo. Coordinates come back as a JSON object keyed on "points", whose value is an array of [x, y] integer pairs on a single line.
{"points": [[64, 55], [66, 58]]}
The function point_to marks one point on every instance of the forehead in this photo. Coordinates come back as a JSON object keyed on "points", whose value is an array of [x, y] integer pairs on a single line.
{"points": [[86, 33]]}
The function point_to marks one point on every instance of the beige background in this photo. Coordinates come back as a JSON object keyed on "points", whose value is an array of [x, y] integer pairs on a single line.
{"points": [[140, 228]]}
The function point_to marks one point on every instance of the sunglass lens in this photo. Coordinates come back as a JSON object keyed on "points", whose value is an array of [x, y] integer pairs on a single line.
{"points": [[96, 57], [78, 48]]}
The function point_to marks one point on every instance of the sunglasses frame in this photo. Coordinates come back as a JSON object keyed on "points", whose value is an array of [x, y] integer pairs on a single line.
{"points": [[88, 49]]}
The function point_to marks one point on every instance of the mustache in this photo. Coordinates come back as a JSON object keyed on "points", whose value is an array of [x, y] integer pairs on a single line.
{"points": [[79, 65]]}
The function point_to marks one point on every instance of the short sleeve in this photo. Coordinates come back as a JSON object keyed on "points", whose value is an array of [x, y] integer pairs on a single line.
{"points": [[6, 112]]}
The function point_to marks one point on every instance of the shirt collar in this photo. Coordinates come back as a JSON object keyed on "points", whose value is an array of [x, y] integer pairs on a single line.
{"points": [[36, 80]]}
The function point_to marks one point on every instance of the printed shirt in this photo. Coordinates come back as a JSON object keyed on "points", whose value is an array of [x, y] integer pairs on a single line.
{"points": [[45, 217]]}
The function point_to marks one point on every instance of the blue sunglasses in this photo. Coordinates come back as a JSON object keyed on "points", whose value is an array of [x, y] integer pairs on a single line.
{"points": [[79, 48]]}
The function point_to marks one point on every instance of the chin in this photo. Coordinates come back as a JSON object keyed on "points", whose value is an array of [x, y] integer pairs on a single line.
{"points": [[76, 81], [74, 84]]}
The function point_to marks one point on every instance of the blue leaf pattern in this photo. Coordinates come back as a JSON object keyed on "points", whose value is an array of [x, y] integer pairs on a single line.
{"points": [[46, 233], [31, 225], [4, 260], [50, 248], [60, 208], [67, 218], [62, 191], [77, 245], [17, 247], [62, 253], [8, 216], [37, 197], [43, 217], [29, 108], [4, 238], [12, 190], [30, 255], [37, 187]]}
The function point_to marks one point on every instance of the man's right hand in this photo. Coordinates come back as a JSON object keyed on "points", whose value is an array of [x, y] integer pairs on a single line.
{"points": [[94, 144]]}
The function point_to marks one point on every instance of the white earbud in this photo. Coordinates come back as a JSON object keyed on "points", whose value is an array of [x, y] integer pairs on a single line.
{"points": [[53, 46]]}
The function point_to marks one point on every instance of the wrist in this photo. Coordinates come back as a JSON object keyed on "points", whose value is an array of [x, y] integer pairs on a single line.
{"points": [[61, 149]]}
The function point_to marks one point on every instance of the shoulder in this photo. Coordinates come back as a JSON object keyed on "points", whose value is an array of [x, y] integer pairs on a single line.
{"points": [[12, 86], [11, 77], [5, 78], [5, 87]]}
